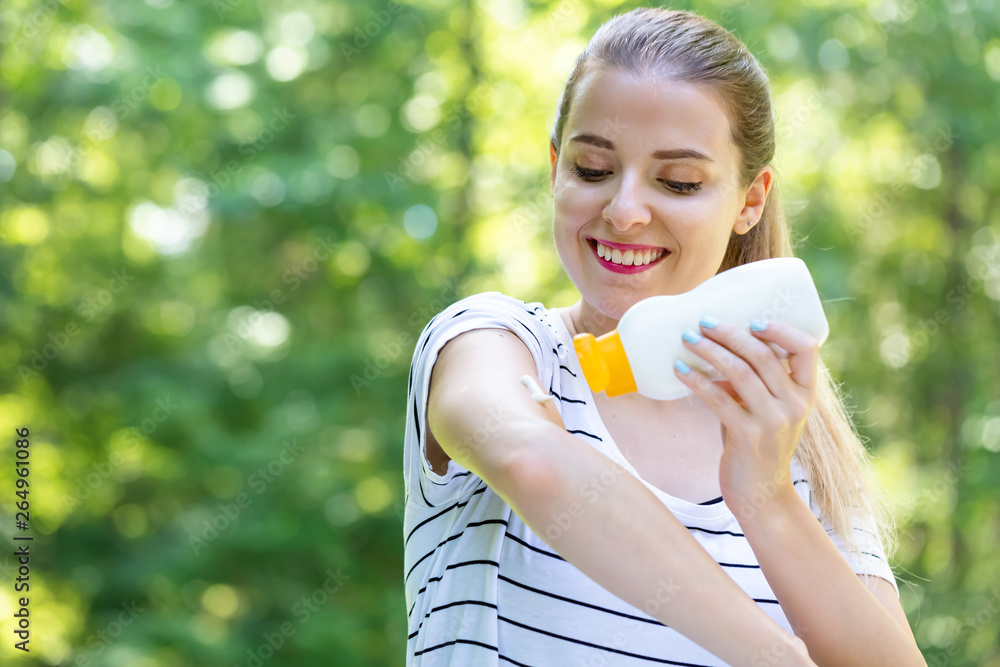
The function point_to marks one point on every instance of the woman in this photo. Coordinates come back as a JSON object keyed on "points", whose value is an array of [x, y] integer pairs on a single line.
{"points": [[734, 526]]}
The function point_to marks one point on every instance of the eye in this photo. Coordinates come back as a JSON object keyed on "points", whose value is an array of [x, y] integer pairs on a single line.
{"points": [[588, 174], [592, 175], [682, 187]]}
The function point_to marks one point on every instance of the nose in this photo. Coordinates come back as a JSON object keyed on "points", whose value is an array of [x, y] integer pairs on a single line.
{"points": [[628, 207]]}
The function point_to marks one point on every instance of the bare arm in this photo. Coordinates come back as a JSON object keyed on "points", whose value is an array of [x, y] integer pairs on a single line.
{"points": [[627, 541], [841, 621]]}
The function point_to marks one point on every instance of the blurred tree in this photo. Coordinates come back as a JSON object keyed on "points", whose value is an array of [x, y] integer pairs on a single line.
{"points": [[223, 226]]}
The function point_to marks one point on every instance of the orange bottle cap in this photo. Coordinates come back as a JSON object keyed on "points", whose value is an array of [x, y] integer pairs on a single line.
{"points": [[604, 363]]}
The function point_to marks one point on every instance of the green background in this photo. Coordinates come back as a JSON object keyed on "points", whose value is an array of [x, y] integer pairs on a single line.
{"points": [[224, 224]]}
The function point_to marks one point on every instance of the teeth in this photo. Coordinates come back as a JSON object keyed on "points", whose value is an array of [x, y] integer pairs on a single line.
{"points": [[629, 257]]}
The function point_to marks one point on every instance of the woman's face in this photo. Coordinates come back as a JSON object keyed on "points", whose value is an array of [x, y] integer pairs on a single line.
{"points": [[646, 165]]}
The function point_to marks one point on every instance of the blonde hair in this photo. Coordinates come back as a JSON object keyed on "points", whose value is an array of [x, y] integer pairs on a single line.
{"points": [[683, 46]]}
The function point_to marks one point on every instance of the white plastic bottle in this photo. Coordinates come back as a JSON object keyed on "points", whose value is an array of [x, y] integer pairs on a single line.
{"points": [[639, 355]]}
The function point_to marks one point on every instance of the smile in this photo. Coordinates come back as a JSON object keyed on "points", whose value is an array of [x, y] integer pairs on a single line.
{"points": [[626, 258]]}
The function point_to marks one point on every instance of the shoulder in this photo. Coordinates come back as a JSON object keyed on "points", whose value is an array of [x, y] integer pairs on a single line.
{"points": [[496, 303], [494, 310]]}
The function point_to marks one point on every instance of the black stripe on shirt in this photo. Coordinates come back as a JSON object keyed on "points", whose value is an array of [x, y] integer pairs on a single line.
{"points": [[481, 489], [558, 557], [715, 532], [455, 641], [832, 530], [420, 483], [538, 591], [651, 621], [445, 606], [662, 661], [457, 474], [559, 597], [582, 432], [430, 553], [566, 400], [512, 661], [500, 656], [416, 421], [534, 548], [528, 329]]}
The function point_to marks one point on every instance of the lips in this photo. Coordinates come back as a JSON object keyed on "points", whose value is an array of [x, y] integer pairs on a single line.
{"points": [[626, 257], [626, 246]]}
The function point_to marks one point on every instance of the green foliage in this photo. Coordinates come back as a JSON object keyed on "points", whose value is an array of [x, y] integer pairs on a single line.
{"points": [[224, 225]]}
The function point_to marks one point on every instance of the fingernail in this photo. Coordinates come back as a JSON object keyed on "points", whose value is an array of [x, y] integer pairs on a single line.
{"points": [[690, 336], [758, 324], [709, 322], [681, 366]]}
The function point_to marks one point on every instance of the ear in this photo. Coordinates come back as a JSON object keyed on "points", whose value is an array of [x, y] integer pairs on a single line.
{"points": [[753, 204], [553, 157]]}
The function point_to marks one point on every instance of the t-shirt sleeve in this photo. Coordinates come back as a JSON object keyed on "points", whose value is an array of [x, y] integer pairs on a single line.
{"points": [[488, 310], [870, 557]]}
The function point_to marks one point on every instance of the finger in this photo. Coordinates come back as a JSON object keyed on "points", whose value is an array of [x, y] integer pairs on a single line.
{"points": [[779, 351], [743, 361], [727, 386], [803, 351], [721, 401]]}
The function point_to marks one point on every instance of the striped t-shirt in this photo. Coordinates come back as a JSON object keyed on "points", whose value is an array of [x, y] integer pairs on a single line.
{"points": [[483, 590]]}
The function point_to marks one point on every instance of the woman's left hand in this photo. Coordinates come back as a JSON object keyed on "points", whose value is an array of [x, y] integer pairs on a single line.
{"points": [[762, 406]]}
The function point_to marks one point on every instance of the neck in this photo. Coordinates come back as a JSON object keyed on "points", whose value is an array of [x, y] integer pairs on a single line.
{"points": [[586, 319]]}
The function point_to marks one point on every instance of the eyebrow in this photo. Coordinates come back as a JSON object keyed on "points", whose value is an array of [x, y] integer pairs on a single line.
{"points": [[670, 154]]}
